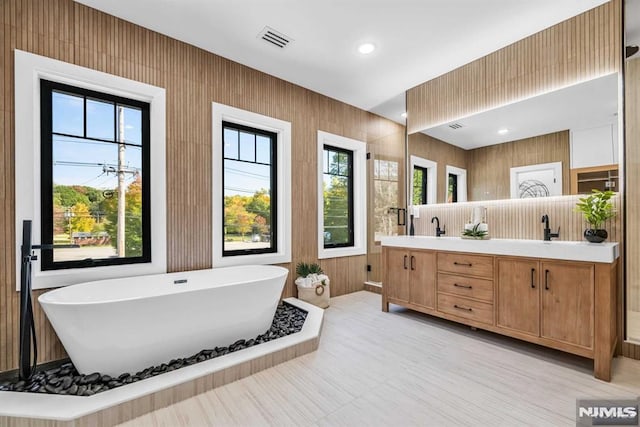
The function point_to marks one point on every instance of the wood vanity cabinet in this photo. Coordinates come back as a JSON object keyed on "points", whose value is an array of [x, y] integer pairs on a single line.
{"points": [[411, 276], [465, 286], [518, 295], [565, 305], [550, 300]]}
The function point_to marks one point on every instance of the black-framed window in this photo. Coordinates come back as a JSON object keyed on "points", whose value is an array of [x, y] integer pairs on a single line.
{"points": [[452, 192], [419, 185], [337, 197], [249, 184], [95, 189]]}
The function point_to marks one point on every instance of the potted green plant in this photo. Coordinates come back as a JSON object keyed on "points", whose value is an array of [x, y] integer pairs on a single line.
{"points": [[596, 209], [312, 284], [476, 232]]}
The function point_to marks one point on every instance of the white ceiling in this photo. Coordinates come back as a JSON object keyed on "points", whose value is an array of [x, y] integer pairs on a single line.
{"points": [[583, 106], [416, 40]]}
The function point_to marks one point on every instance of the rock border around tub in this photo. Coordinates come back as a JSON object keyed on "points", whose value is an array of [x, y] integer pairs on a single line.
{"points": [[65, 379]]}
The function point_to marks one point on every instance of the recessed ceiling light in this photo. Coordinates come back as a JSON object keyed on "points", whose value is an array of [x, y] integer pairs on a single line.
{"points": [[503, 131], [404, 115], [366, 48]]}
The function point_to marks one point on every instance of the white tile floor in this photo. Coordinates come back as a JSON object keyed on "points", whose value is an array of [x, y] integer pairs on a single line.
{"points": [[404, 368]]}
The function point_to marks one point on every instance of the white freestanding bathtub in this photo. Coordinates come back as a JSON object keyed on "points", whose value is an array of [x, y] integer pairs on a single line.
{"points": [[126, 325]]}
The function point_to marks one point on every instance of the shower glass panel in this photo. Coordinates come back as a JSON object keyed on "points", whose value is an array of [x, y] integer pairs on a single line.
{"points": [[386, 187]]}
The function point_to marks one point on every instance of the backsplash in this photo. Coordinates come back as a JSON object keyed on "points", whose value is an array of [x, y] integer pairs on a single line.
{"points": [[516, 219]]}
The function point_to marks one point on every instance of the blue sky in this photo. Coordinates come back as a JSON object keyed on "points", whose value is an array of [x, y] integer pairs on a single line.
{"points": [[78, 161], [241, 178]]}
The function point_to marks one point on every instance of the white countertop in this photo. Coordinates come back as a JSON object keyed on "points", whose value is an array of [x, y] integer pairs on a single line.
{"points": [[556, 249]]}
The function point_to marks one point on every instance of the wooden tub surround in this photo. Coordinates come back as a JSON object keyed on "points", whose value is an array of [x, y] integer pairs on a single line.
{"points": [[563, 302]]}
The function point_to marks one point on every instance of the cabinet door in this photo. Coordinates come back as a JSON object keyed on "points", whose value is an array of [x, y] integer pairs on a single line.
{"points": [[397, 282], [519, 295], [422, 278], [567, 302]]}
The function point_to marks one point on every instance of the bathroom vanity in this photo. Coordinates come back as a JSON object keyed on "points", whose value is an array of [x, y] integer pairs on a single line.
{"points": [[558, 294]]}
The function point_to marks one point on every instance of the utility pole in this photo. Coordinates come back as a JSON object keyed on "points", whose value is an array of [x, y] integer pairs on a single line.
{"points": [[120, 247]]}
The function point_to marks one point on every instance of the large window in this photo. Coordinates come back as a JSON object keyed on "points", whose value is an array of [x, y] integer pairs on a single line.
{"points": [[94, 187], [250, 183], [251, 188], [338, 197], [342, 200], [68, 163]]}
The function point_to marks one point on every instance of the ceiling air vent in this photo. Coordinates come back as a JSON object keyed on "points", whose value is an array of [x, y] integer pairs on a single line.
{"points": [[274, 37], [455, 125]]}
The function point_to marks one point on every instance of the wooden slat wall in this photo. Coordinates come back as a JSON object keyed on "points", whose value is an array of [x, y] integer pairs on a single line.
{"points": [[581, 48], [193, 79], [488, 168], [632, 190], [516, 219]]}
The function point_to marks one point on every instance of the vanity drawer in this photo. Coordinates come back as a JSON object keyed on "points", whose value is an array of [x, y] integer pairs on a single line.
{"points": [[467, 308], [459, 263], [466, 286]]}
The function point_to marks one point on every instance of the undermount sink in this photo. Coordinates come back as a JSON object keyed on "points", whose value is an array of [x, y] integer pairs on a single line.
{"points": [[555, 249]]}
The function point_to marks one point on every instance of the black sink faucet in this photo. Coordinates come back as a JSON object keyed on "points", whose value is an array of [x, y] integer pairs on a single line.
{"points": [[439, 232], [548, 235]]}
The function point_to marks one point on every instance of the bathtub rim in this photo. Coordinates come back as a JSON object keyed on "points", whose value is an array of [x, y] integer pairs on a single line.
{"points": [[46, 296], [63, 408]]}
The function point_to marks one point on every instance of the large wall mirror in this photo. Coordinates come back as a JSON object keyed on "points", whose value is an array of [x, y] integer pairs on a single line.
{"points": [[558, 143]]}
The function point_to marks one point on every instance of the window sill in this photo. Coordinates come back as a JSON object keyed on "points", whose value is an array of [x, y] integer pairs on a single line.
{"points": [[341, 252], [259, 259]]}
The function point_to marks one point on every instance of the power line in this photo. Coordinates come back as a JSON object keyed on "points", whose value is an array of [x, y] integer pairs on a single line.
{"points": [[245, 173], [104, 165]]}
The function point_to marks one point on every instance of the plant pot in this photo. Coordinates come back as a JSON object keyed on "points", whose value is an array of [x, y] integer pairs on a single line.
{"points": [[595, 235], [317, 295]]}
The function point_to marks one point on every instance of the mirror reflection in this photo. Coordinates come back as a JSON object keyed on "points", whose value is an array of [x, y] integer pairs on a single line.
{"points": [[562, 142]]}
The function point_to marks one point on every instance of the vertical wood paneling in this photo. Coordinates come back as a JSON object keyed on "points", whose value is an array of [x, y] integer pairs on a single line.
{"points": [[632, 182], [517, 219], [581, 48], [488, 168], [193, 79]]}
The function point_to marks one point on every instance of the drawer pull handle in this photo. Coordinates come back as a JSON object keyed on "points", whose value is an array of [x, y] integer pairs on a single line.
{"points": [[462, 308], [533, 285], [463, 286], [404, 262], [546, 279], [464, 264], [413, 267]]}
